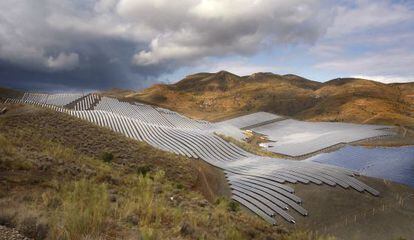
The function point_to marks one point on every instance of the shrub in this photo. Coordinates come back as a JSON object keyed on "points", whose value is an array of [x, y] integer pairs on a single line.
{"points": [[84, 209], [148, 233], [107, 157], [58, 151], [6, 147], [233, 234], [219, 200], [145, 200], [7, 217], [143, 169], [233, 206]]}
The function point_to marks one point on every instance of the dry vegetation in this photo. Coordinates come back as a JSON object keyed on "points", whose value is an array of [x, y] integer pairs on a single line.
{"points": [[215, 96], [253, 148], [8, 93], [63, 178]]}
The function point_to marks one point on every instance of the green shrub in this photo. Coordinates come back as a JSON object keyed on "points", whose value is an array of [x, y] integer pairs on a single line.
{"points": [[233, 206], [219, 200], [107, 157], [148, 233], [143, 170]]}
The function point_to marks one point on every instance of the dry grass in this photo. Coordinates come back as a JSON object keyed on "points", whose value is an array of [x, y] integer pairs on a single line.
{"points": [[83, 211], [306, 235], [10, 158], [251, 147]]}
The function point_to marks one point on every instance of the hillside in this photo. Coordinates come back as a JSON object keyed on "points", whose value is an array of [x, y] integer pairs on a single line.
{"points": [[215, 96], [8, 93], [64, 178]]}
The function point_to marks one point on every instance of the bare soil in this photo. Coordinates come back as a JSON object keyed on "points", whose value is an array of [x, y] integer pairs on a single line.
{"points": [[348, 214], [211, 181]]}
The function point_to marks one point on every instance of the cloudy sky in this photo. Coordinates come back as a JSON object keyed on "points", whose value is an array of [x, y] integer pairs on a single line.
{"points": [[98, 44]]}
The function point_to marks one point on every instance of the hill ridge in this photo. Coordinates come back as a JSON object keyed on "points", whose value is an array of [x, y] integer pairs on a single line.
{"points": [[222, 94]]}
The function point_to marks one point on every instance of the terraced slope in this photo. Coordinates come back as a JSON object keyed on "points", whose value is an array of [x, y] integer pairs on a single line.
{"points": [[217, 96], [258, 183]]}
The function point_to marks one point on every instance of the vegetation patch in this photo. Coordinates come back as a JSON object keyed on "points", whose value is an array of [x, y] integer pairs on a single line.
{"points": [[251, 147], [83, 211], [107, 157]]}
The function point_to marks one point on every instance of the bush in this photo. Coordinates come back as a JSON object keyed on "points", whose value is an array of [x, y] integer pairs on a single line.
{"points": [[107, 157], [84, 210], [233, 206], [7, 217], [143, 170], [146, 201], [6, 147], [233, 234], [219, 200], [148, 233]]}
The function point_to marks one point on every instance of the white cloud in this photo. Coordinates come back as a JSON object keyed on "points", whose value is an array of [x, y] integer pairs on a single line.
{"points": [[63, 61], [326, 50], [241, 67], [387, 78], [175, 32], [192, 30], [395, 61], [369, 38], [368, 15]]}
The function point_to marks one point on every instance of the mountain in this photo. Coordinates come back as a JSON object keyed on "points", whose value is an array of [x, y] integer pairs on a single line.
{"points": [[216, 96]]}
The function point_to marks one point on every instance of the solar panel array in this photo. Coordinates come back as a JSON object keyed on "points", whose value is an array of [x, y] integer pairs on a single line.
{"points": [[87, 102], [59, 99], [149, 114], [256, 182], [251, 119], [287, 135]]}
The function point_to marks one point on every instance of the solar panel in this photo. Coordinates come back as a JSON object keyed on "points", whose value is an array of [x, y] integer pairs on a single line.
{"points": [[257, 182]]}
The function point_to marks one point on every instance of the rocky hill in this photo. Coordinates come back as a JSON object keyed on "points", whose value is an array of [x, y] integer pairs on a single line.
{"points": [[215, 96]]}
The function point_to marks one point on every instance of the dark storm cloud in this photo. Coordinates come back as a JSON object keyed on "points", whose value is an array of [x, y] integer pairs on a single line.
{"points": [[103, 64], [50, 44]]}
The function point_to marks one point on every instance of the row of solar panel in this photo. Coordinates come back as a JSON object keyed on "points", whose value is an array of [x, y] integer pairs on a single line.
{"points": [[256, 182], [59, 99], [87, 102]]}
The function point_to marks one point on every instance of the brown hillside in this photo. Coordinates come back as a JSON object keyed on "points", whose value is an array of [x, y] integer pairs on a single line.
{"points": [[8, 93], [214, 96]]}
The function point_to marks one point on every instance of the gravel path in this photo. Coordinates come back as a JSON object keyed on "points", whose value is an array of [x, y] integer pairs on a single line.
{"points": [[11, 234]]}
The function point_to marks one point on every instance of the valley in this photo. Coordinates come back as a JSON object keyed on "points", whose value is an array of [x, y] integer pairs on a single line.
{"points": [[263, 185]]}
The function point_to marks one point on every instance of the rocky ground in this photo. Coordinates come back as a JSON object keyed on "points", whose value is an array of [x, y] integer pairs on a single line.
{"points": [[7, 233]]}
